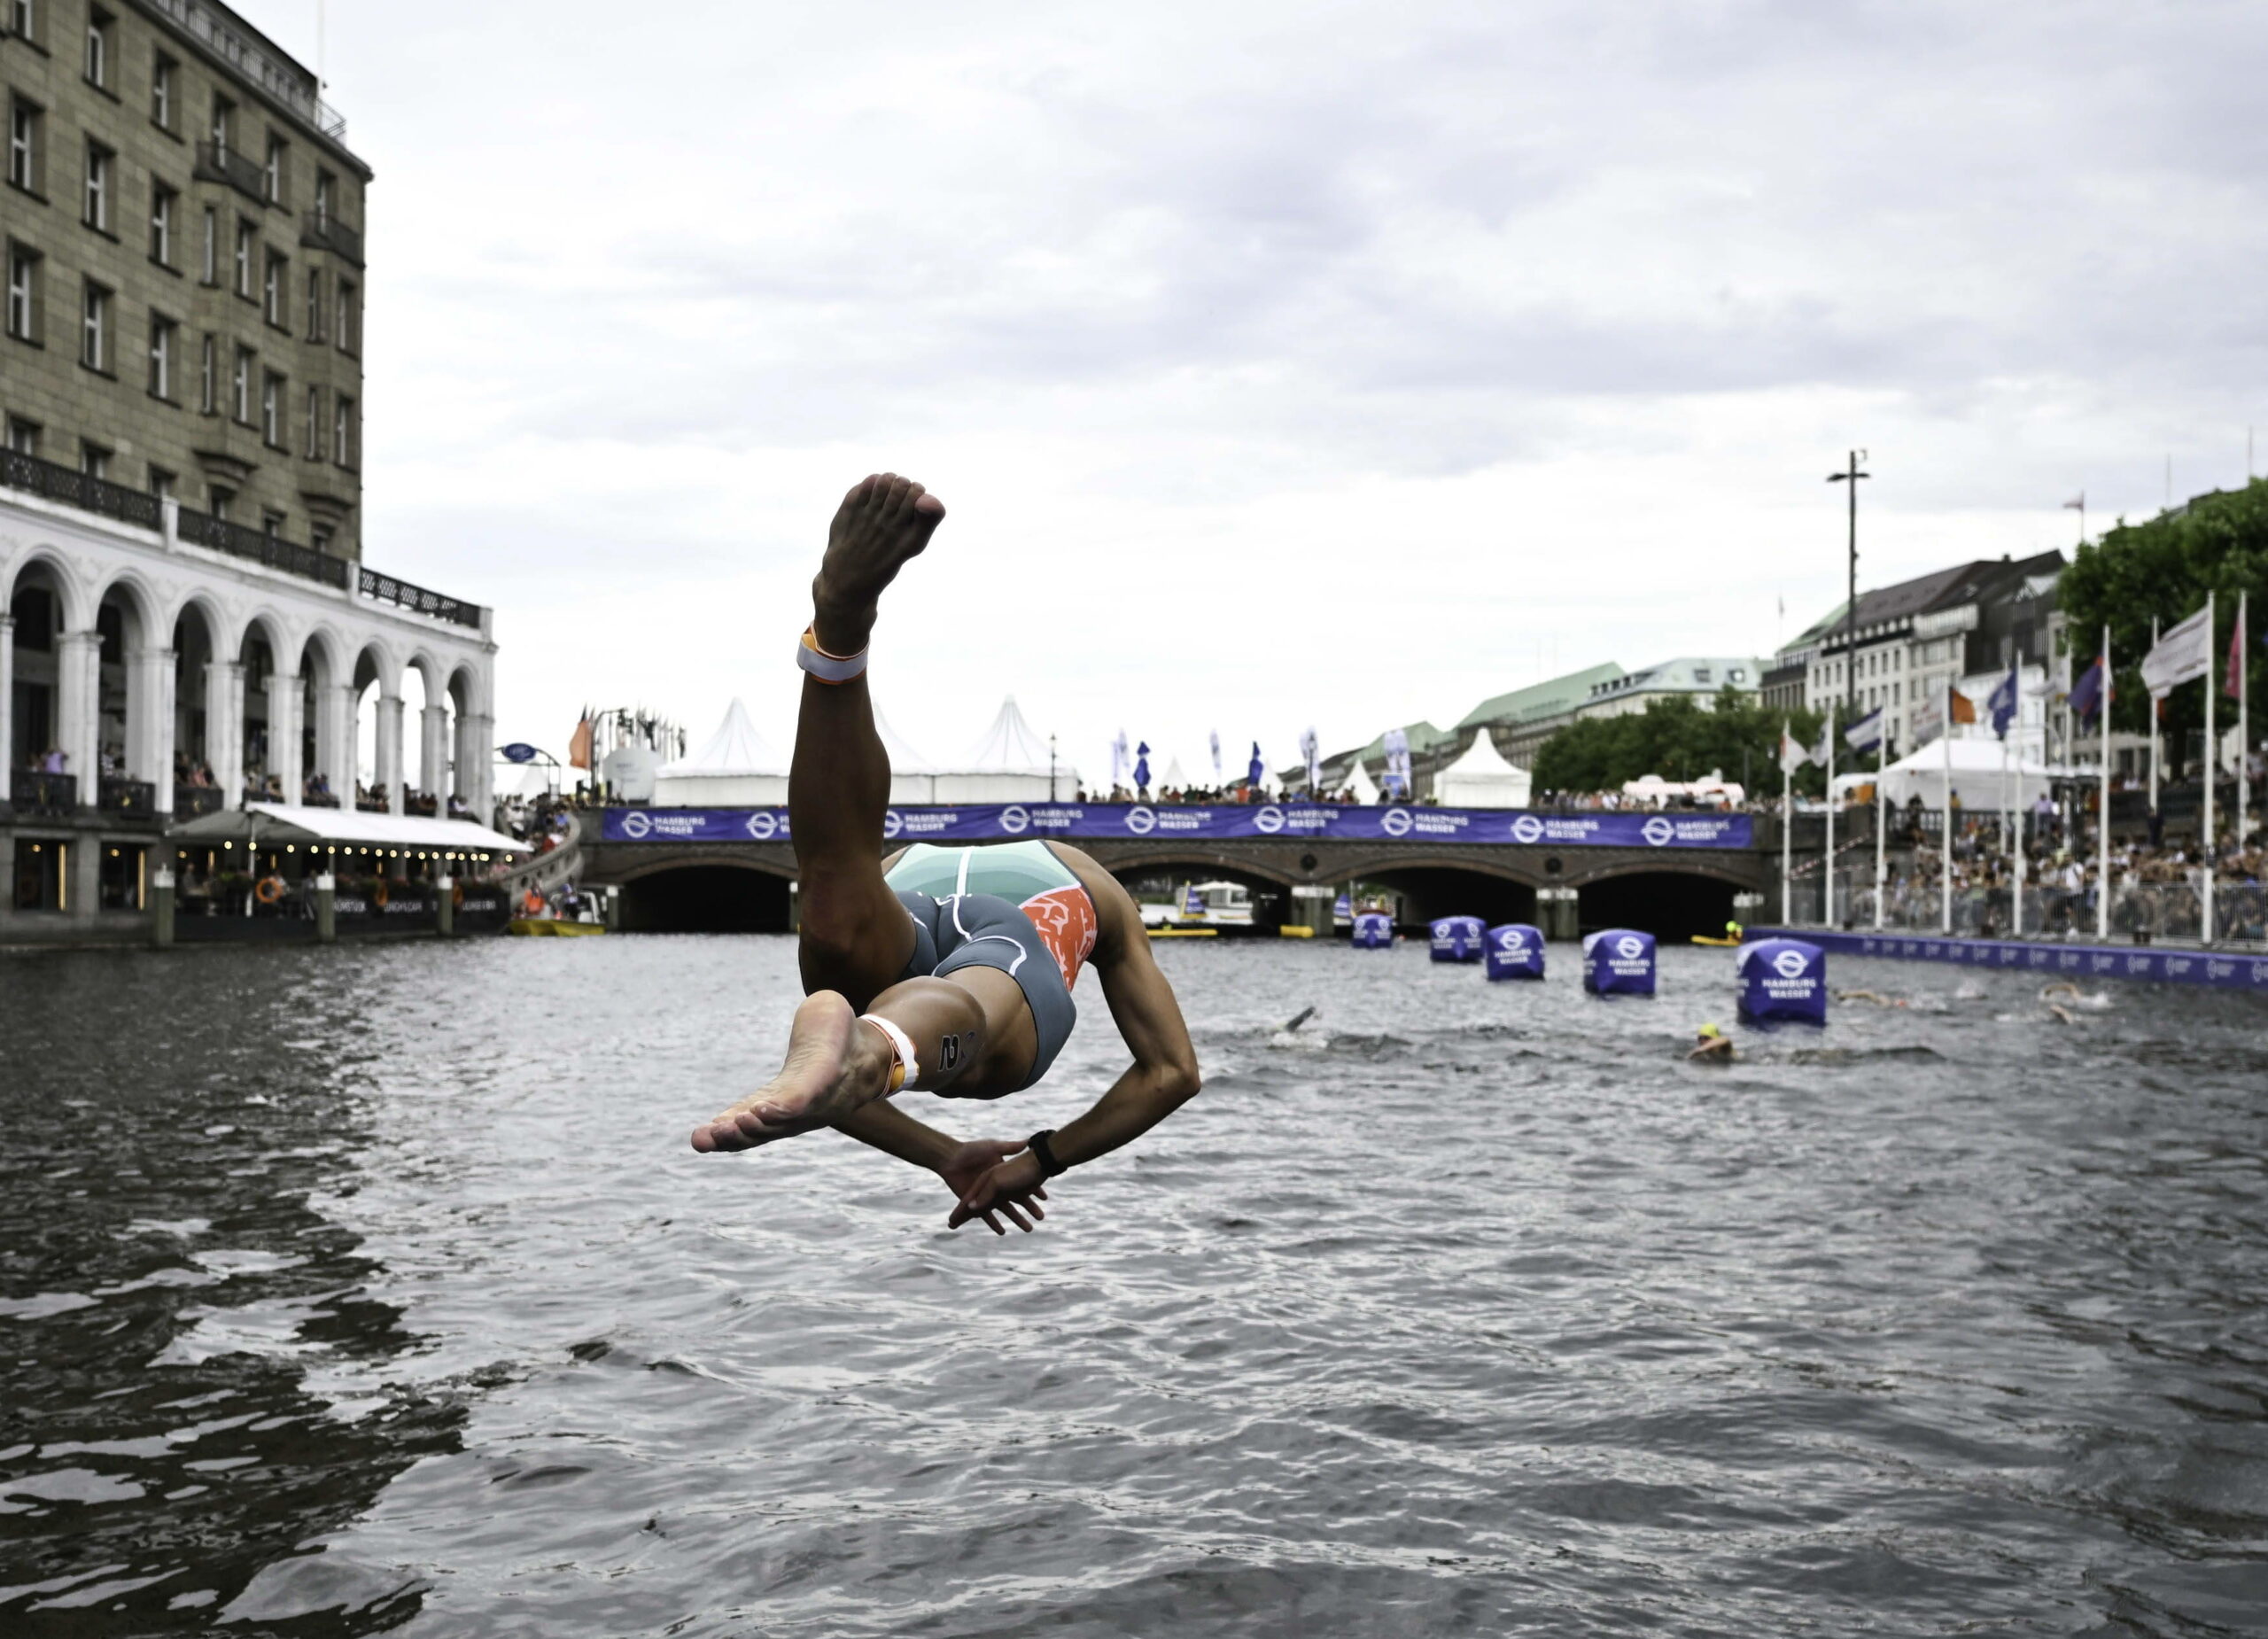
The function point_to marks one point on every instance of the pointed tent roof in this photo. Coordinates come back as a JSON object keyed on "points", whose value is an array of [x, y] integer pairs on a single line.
{"points": [[903, 759], [734, 749], [1009, 747], [1175, 779], [1482, 757], [1364, 789]]}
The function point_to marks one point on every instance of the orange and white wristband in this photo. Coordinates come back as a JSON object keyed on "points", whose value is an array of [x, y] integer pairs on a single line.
{"points": [[907, 1068], [825, 667]]}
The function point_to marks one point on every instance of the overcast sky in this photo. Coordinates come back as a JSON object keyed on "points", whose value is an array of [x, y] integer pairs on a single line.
{"points": [[1278, 364]]}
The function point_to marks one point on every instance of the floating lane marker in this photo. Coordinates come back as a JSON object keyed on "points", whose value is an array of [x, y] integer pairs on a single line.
{"points": [[2219, 969]]}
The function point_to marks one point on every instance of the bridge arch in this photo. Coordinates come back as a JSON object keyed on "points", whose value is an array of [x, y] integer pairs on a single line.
{"points": [[1671, 902], [1430, 885], [708, 892], [1150, 873]]}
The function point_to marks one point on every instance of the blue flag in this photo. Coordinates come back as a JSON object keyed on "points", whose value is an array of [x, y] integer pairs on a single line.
{"points": [[2002, 706], [2087, 698], [1865, 734], [1142, 765], [1257, 769]]}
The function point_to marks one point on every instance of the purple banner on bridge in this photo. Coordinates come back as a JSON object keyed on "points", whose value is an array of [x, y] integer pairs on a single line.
{"points": [[2223, 970], [991, 822]]}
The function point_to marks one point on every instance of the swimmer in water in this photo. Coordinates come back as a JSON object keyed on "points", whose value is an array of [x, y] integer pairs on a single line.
{"points": [[945, 969], [1712, 1046]]}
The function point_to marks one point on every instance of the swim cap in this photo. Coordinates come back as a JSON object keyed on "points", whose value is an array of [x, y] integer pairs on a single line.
{"points": [[1711, 1029]]}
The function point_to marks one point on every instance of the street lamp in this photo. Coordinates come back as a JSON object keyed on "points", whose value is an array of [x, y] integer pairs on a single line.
{"points": [[1050, 768], [1851, 475]]}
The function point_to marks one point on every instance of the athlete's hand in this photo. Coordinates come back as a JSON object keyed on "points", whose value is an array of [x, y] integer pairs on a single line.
{"points": [[965, 1170], [1002, 1187]]}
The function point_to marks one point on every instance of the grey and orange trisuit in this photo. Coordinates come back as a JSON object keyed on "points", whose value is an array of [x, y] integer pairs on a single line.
{"points": [[1016, 907]]}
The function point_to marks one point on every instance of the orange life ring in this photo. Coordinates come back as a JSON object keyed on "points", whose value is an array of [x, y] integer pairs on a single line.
{"points": [[269, 890], [378, 894]]}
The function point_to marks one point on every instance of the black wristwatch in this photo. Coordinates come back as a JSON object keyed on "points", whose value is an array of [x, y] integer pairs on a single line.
{"points": [[1041, 1145]]}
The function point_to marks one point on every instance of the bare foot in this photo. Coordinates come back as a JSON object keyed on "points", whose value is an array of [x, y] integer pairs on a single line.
{"points": [[833, 1067], [882, 522]]}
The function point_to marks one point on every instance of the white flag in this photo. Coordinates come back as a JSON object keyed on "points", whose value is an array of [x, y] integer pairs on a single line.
{"points": [[1118, 759], [1927, 720], [1216, 756], [1311, 748], [1792, 755], [2182, 654]]}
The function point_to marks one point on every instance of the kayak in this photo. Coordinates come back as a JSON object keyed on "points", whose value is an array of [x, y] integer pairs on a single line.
{"points": [[552, 928], [1704, 938]]}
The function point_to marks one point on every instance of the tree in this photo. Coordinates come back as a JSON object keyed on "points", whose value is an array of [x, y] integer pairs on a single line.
{"points": [[2163, 567], [1680, 740]]}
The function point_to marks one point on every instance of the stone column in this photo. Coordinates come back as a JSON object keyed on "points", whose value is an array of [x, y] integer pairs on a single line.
{"points": [[284, 690], [334, 740], [476, 759], [84, 886], [389, 750], [433, 755], [150, 720], [224, 729], [78, 723], [7, 703]]}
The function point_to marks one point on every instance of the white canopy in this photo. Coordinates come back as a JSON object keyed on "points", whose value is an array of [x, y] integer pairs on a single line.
{"points": [[1983, 778], [1482, 779], [290, 822], [1009, 764], [1175, 779], [528, 781], [1360, 784], [735, 768]]}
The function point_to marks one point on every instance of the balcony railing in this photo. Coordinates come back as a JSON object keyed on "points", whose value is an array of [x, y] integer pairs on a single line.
{"points": [[133, 798], [74, 488], [328, 233], [44, 794], [202, 529], [393, 589], [240, 171], [190, 801]]}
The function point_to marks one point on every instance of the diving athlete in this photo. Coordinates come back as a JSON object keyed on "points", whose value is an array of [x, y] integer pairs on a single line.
{"points": [[948, 969]]}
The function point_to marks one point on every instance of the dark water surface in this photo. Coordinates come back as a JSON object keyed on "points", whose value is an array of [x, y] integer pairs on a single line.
{"points": [[357, 1289]]}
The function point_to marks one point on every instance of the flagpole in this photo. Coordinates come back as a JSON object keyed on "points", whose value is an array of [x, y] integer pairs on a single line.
{"points": [[1881, 858], [2155, 736], [2102, 831], [1787, 826], [1827, 866], [1945, 824], [2243, 713], [2212, 761], [2015, 898]]}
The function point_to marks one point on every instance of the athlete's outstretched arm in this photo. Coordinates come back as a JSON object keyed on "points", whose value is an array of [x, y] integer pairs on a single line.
{"points": [[1162, 1078], [894, 1132]]}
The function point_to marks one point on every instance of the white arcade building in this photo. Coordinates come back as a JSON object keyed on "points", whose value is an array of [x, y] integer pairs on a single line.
{"points": [[146, 677]]}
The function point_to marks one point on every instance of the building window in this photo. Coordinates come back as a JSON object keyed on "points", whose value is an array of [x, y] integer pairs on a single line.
{"points": [[26, 149], [271, 410], [102, 29], [224, 125], [23, 19], [342, 430], [272, 175], [220, 498], [94, 461], [240, 387], [314, 423], [315, 304], [162, 332], [324, 183], [162, 483], [208, 362], [94, 330], [243, 257], [271, 524], [101, 165], [23, 436], [209, 268], [23, 293], [350, 318], [164, 74], [319, 537], [273, 286], [164, 202]]}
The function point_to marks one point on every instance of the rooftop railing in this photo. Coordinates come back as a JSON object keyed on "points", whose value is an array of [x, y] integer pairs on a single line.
{"points": [[203, 529], [394, 590], [74, 488]]}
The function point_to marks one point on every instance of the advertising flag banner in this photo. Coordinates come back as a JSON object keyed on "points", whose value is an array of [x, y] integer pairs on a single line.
{"points": [[1142, 766], [1255, 771], [1311, 749], [1396, 745], [1216, 756], [2182, 655], [1927, 721]]}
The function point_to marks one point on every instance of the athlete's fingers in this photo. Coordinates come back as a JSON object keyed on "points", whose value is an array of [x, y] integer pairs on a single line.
{"points": [[1008, 1210], [993, 1224]]}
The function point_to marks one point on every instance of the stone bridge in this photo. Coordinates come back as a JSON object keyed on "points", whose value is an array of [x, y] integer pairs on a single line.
{"points": [[730, 886]]}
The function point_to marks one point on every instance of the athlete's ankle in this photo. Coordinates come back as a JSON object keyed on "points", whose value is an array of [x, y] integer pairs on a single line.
{"points": [[841, 624]]}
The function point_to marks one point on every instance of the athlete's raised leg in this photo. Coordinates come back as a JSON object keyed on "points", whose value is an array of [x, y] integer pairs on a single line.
{"points": [[856, 938]]}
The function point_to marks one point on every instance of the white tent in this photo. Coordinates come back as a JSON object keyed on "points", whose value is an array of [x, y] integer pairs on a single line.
{"points": [[1983, 781], [1009, 764], [271, 825], [736, 768], [1359, 784], [1482, 779], [1175, 779], [527, 782]]}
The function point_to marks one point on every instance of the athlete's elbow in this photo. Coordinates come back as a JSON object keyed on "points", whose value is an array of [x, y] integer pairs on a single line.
{"points": [[1180, 1080]]}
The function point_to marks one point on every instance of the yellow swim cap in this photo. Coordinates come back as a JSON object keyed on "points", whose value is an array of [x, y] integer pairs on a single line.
{"points": [[1711, 1029]]}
